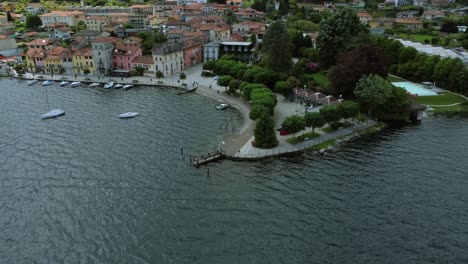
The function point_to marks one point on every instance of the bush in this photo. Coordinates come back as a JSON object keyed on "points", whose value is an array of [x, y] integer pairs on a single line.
{"points": [[335, 125], [233, 86], [257, 111], [282, 87]]}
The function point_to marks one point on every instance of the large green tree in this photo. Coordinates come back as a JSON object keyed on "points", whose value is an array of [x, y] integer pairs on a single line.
{"points": [[348, 109], [372, 91], [353, 64], [314, 120], [33, 21], [395, 107], [335, 32], [277, 48], [265, 136], [293, 124], [330, 113]]}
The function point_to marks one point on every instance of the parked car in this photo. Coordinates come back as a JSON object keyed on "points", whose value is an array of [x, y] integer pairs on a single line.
{"points": [[216, 78]]}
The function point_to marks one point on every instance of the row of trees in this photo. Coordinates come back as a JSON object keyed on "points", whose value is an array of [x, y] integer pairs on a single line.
{"points": [[407, 62], [330, 114]]}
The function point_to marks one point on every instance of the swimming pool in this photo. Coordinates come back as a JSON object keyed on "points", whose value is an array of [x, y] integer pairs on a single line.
{"points": [[414, 88]]}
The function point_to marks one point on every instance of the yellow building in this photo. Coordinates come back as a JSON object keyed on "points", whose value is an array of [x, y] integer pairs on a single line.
{"points": [[155, 20], [53, 64], [96, 23], [83, 59]]}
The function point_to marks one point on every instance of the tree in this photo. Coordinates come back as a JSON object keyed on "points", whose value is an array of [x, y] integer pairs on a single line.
{"points": [[33, 21], [282, 87], [9, 18], [293, 82], [449, 27], [335, 31], [407, 54], [293, 124], [86, 71], [277, 48], [348, 109], [209, 65], [182, 76], [247, 88], [159, 37], [159, 74], [224, 80], [396, 106], [314, 120], [253, 38], [442, 70], [257, 111], [234, 86], [372, 91], [265, 136], [353, 64], [330, 113]]}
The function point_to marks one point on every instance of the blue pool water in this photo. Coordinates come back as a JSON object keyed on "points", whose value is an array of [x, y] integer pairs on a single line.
{"points": [[414, 88]]}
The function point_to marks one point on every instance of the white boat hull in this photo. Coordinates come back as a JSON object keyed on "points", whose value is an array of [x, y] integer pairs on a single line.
{"points": [[129, 115], [118, 86], [75, 84], [47, 83], [53, 113], [109, 85], [32, 82], [63, 83], [128, 86], [94, 84]]}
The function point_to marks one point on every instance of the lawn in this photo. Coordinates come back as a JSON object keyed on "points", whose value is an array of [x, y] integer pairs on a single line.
{"points": [[442, 99], [301, 138], [321, 78], [416, 37], [324, 144], [392, 78]]}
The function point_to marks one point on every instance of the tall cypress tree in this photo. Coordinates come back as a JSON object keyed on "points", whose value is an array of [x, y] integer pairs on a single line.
{"points": [[277, 48]]}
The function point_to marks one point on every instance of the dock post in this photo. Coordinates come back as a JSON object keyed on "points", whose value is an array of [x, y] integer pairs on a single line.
{"points": [[181, 150], [208, 171], [190, 158]]}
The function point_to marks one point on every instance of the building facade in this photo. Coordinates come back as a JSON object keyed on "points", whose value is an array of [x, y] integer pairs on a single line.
{"points": [[168, 58]]}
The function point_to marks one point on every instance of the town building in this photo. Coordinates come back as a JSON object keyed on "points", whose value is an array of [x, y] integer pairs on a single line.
{"points": [[364, 17], [82, 60], [59, 60], [59, 32], [190, 2], [147, 63], [168, 58], [248, 27], [219, 31], [145, 10], [87, 35], [122, 57], [68, 17], [8, 46], [44, 43], [248, 14], [411, 24], [35, 59], [35, 8], [96, 23], [193, 52], [102, 54], [433, 14], [7, 7], [243, 51], [381, 22], [101, 10]]}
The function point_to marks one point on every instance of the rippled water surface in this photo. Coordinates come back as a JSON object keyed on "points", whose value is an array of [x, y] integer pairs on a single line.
{"points": [[90, 188]]}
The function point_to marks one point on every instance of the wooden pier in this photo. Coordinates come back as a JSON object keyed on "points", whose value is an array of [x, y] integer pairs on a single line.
{"points": [[205, 160]]}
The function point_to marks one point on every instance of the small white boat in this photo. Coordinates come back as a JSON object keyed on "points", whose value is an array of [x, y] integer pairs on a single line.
{"points": [[75, 84], [53, 113], [128, 86], [47, 83], [118, 86], [94, 85], [222, 106], [64, 83], [32, 82], [129, 115], [108, 85]]}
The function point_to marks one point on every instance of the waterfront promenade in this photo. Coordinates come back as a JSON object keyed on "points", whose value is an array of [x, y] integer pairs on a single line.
{"points": [[234, 146]]}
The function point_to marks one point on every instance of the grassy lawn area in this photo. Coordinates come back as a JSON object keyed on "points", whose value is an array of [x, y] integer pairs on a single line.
{"points": [[415, 37], [321, 78], [394, 79], [301, 138], [328, 130], [324, 144], [442, 99]]}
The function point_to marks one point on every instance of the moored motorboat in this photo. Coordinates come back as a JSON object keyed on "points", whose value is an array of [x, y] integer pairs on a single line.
{"points": [[118, 86], [47, 83], [222, 106], [64, 83], [75, 84], [108, 85], [94, 85], [31, 82], [129, 115], [128, 86], [53, 113]]}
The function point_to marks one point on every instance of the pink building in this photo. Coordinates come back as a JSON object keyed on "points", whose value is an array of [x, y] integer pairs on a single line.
{"points": [[122, 57], [193, 50]]}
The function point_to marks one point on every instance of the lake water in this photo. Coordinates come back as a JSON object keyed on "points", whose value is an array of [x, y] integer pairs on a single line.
{"points": [[90, 188]]}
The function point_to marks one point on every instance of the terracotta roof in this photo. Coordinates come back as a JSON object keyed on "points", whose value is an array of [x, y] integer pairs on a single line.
{"points": [[143, 60], [35, 52], [108, 39], [83, 52], [136, 39], [407, 21], [125, 50], [4, 37], [364, 14], [35, 5], [64, 13], [176, 31], [433, 13], [40, 42], [141, 6]]}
